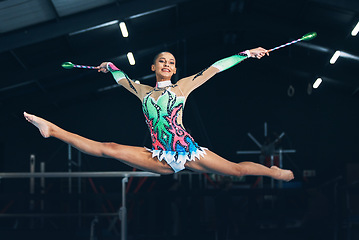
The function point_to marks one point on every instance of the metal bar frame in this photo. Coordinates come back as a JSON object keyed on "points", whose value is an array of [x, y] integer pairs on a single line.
{"points": [[123, 211], [75, 174]]}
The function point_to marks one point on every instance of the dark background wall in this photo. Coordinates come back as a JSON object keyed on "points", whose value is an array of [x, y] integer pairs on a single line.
{"points": [[321, 125]]}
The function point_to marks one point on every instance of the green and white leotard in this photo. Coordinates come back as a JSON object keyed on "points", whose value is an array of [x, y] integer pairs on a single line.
{"points": [[163, 107]]}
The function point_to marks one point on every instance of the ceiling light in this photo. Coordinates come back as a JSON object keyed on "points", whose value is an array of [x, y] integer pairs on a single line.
{"points": [[335, 57], [95, 27], [355, 30], [123, 29], [317, 83], [131, 58]]}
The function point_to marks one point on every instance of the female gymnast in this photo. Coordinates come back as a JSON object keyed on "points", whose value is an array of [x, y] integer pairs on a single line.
{"points": [[173, 148]]}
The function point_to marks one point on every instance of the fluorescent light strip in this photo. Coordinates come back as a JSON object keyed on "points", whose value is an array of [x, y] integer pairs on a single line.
{"points": [[335, 57], [317, 83], [123, 29], [313, 46], [355, 30], [131, 58], [152, 11], [95, 27], [326, 50], [349, 56]]}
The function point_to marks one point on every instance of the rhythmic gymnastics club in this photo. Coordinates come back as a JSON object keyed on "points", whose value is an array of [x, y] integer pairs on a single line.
{"points": [[69, 65], [306, 37]]}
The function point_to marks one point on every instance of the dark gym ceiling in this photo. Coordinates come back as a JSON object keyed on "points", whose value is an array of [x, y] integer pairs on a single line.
{"points": [[37, 36]]}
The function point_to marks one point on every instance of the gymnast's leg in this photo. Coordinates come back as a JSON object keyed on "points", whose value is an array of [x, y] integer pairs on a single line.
{"points": [[137, 157], [212, 163]]}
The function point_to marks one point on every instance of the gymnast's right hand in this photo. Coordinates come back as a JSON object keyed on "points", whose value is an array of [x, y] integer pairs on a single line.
{"points": [[102, 67]]}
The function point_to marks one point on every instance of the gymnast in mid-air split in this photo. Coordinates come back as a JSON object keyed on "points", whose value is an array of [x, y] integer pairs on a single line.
{"points": [[173, 148]]}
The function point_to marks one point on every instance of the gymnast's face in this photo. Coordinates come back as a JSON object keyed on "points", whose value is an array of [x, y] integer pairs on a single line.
{"points": [[164, 66]]}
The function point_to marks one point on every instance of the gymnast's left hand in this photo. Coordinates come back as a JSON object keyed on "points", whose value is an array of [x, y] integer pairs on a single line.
{"points": [[102, 67], [258, 52]]}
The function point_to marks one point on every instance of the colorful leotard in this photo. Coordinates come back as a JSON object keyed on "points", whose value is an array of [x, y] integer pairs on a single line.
{"points": [[163, 107]]}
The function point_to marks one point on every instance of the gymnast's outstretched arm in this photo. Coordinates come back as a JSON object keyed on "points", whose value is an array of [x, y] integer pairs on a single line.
{"points": [[121, 78], [190, 83]]}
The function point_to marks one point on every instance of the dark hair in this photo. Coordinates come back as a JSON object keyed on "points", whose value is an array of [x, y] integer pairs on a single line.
{"points": [[155, 58]]}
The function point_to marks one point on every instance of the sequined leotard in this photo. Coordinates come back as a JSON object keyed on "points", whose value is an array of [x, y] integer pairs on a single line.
{"points": [[163, 107]]}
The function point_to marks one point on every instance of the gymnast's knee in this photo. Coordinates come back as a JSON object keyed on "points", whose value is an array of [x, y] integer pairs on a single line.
{"points": [[240, 170]]}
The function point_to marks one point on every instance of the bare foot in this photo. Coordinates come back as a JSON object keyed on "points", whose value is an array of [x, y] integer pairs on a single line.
{"points": [[285, 175], [43, 125]]}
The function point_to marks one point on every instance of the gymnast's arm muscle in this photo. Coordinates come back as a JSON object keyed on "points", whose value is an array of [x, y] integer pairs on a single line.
{"points": [[190, 83]]}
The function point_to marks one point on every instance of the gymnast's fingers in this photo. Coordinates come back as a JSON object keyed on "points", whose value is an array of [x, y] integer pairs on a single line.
{"points": [[98, 68], [260, 55]]}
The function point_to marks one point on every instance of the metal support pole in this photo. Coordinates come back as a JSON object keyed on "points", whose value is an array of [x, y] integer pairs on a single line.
{"points": [[32, 180], [69, 163], [122, 213], [271, 164], [260, 152], [280, 165], [92, 231], [254, 140], [32, 188], [123, 210], [42, 186]]}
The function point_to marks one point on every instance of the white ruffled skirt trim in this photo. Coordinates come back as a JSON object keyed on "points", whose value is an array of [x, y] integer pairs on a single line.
{"points": [[177, 160]]}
